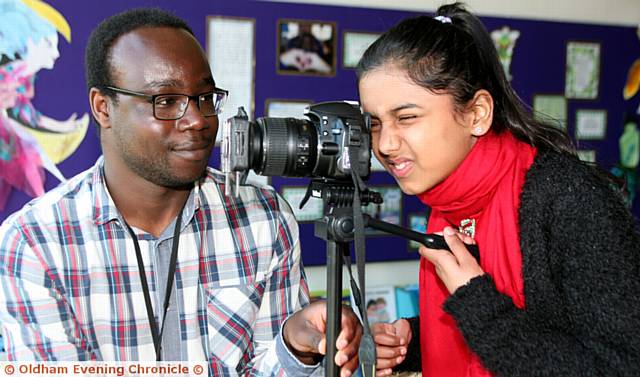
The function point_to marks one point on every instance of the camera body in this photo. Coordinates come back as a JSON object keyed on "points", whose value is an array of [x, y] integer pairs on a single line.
{"points": [[334, 137]]}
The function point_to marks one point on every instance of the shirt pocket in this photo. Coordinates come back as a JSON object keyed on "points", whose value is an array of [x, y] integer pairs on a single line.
{"points": [[232, 312]]}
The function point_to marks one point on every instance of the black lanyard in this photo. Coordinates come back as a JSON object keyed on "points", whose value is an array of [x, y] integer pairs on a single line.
{"points": [[157, 336]]}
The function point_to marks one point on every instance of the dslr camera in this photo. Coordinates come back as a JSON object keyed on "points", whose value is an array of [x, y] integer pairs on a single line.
{"points": [[333, 140]]}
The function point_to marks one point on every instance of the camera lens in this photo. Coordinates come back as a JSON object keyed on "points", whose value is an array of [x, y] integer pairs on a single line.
{"points": [[289, 147], [332, 143]]}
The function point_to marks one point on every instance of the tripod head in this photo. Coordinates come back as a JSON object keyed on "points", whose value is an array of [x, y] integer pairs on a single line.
{"points": [[337, 200]]}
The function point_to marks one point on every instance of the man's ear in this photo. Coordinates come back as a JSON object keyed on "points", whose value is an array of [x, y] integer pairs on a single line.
{"points": [[480, 112], [100, 107]]}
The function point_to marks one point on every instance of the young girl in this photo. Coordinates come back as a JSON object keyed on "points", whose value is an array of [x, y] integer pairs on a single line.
{"points": [[556, 290]]}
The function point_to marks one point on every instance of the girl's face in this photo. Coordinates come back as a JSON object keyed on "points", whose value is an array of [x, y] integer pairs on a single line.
{"points": [[416, 134]]}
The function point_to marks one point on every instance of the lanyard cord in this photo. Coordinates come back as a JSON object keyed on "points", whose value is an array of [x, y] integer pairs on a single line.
{"points": [[157, 336]]}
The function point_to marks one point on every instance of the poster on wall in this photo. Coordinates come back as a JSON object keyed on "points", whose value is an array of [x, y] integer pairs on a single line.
{"points": [[583, 70], [632, 85], [390, 210], [306, 47], [381, 304], [418, 223], [354, 44], [279, 108], [504, 40], [231, 51], [31, 139], [311, 211], [376, 165], [591, 124], [551, 109], [587, 155]]}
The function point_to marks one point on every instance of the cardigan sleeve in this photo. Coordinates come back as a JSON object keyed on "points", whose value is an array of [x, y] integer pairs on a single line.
{"points": [[581, 253]]}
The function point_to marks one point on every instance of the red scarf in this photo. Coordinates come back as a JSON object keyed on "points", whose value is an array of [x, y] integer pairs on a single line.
{"points": [[485, 187]]}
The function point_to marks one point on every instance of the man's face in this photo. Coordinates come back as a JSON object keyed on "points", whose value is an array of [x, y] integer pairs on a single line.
{"points": [[168, 153]]}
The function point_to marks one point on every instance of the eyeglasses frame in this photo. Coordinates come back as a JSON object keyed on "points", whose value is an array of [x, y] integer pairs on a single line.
{"points": [[152, 98]]}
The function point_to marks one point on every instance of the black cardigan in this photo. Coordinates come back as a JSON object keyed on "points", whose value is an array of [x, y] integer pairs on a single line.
{"points": [[581, 268]]}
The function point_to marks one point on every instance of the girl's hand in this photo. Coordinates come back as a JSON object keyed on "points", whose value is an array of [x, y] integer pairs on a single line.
{"points": [[455, 268], [391, 341]]}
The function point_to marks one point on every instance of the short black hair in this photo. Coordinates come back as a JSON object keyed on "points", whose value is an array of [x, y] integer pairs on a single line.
{"points": [[97, 60]]}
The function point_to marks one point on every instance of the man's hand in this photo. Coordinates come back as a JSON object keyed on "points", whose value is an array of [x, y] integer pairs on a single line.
{"points": [[304, 335], [391, 340]]}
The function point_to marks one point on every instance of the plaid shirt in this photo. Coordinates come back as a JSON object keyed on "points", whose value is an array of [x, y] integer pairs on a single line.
{"points": [[72, 291]]}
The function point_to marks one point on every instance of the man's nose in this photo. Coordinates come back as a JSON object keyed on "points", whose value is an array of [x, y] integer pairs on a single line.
{"points": [[192, 118]]}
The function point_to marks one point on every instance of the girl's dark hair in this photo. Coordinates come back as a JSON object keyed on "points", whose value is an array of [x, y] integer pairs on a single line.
{"points": [[459, 58]]}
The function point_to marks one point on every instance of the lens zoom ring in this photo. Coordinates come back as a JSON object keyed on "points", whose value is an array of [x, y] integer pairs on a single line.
{"points": [[275, 161]]}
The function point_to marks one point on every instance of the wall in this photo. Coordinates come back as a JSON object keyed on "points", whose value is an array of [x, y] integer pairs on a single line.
{"points": [[538, 67], [616, 12]]}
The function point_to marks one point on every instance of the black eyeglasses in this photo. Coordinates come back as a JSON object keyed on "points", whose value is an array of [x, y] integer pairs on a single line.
{"points": [[172, 106]]}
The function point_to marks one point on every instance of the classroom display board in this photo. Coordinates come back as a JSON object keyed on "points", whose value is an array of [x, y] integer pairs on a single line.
{"points": [[277, 58]]}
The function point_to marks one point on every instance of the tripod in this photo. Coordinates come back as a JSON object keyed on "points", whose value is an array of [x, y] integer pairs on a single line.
{"points": [[337, 228]]}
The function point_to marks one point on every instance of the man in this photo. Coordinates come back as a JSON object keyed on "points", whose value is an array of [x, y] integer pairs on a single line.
{"points": [[86, 268]]}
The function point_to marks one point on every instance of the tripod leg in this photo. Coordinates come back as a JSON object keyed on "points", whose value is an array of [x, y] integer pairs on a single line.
{"points": [[334, 302]]}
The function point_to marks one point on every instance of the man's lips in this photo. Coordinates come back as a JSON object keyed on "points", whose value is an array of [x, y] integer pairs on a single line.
{"points": [[196, 150]]}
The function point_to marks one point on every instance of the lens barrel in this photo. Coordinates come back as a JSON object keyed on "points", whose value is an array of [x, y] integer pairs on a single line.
{"points": [[289, 147]]}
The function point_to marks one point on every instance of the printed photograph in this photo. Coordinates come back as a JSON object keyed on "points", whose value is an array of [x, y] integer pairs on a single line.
{"points": [[591, 124], [583, 70], [306, 47], [354, 45]]}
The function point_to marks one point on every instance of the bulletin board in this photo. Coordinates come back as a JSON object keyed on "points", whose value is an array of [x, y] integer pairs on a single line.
{"points": [[537, 66]]}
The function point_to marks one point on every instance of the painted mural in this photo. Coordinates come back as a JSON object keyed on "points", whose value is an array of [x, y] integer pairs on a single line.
{"points": [[31, 142], [632, 85]]}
